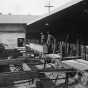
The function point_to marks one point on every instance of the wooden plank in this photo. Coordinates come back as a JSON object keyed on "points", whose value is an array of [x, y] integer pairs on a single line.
{"points": [[53, 56], [57, 70], [10, 77], [82, 61], [76, 65], [72, 57], [35, 47], [19, 75], [11, 61], [19, 61]]}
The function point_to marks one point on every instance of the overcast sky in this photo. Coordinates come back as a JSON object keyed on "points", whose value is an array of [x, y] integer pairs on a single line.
{"points": [[33, 7]]}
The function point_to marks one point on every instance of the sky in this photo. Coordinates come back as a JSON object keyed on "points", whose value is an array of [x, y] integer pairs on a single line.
{"points": [[28, 7]]}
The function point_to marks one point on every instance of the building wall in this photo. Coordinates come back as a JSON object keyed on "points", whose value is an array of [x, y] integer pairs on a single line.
{"points": [[12, 27], [9, 33], [10, 39]]}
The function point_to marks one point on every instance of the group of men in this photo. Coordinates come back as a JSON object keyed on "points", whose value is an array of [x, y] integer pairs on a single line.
{"points": [[49, 41]]}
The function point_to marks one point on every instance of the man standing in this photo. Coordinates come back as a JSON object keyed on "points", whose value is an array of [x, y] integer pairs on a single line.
{"points": [[42, 38], [51, 43], [43, 42]]}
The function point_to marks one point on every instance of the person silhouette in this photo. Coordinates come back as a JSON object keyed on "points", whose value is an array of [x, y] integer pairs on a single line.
{"points": [[51, 43]]}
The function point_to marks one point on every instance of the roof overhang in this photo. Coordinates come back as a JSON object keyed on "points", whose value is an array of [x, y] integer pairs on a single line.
{"points": [[64, 6], [16, 19]]}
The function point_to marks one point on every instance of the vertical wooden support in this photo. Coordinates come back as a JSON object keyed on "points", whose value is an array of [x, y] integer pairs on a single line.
{"points": [[85, 52], [66, 80], [78, 48], [44, 63], [61, 50], [25, 53]]}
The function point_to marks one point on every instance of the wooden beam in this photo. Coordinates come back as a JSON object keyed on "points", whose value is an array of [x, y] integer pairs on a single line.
{"points": [[19, 61], [9, 77], [72, 57], [11, 61], [58, 70]]}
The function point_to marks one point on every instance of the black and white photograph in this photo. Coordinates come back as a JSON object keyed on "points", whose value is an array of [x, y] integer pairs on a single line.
{"points": [[43, 44]]}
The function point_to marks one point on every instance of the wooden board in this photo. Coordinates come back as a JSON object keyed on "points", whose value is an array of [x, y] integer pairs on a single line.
{"points": [[11, 61], [35, 47], [20, 61], [10, 77], [53, 56], [72, 57], [76, 65], [82, 61]]}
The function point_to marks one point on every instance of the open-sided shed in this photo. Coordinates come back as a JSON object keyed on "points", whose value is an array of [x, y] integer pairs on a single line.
{"points": [[69, 24]]}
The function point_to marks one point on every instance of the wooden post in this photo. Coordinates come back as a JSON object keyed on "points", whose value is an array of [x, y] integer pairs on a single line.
{"points": [[78, 48], [66, 80], [84, 52]]}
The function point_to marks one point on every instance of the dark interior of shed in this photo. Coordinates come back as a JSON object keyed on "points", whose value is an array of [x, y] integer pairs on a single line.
{"points": [[70, 24]]}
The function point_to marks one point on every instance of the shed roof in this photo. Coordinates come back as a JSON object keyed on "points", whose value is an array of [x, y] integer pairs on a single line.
{"points": [[17, 19], [64, 6]]}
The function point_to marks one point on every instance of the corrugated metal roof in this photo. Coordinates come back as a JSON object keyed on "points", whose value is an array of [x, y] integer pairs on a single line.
{"points": [[20, 19]]}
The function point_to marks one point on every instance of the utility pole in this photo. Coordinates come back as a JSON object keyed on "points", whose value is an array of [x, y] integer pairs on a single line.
{"points": [[49, 6]]}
